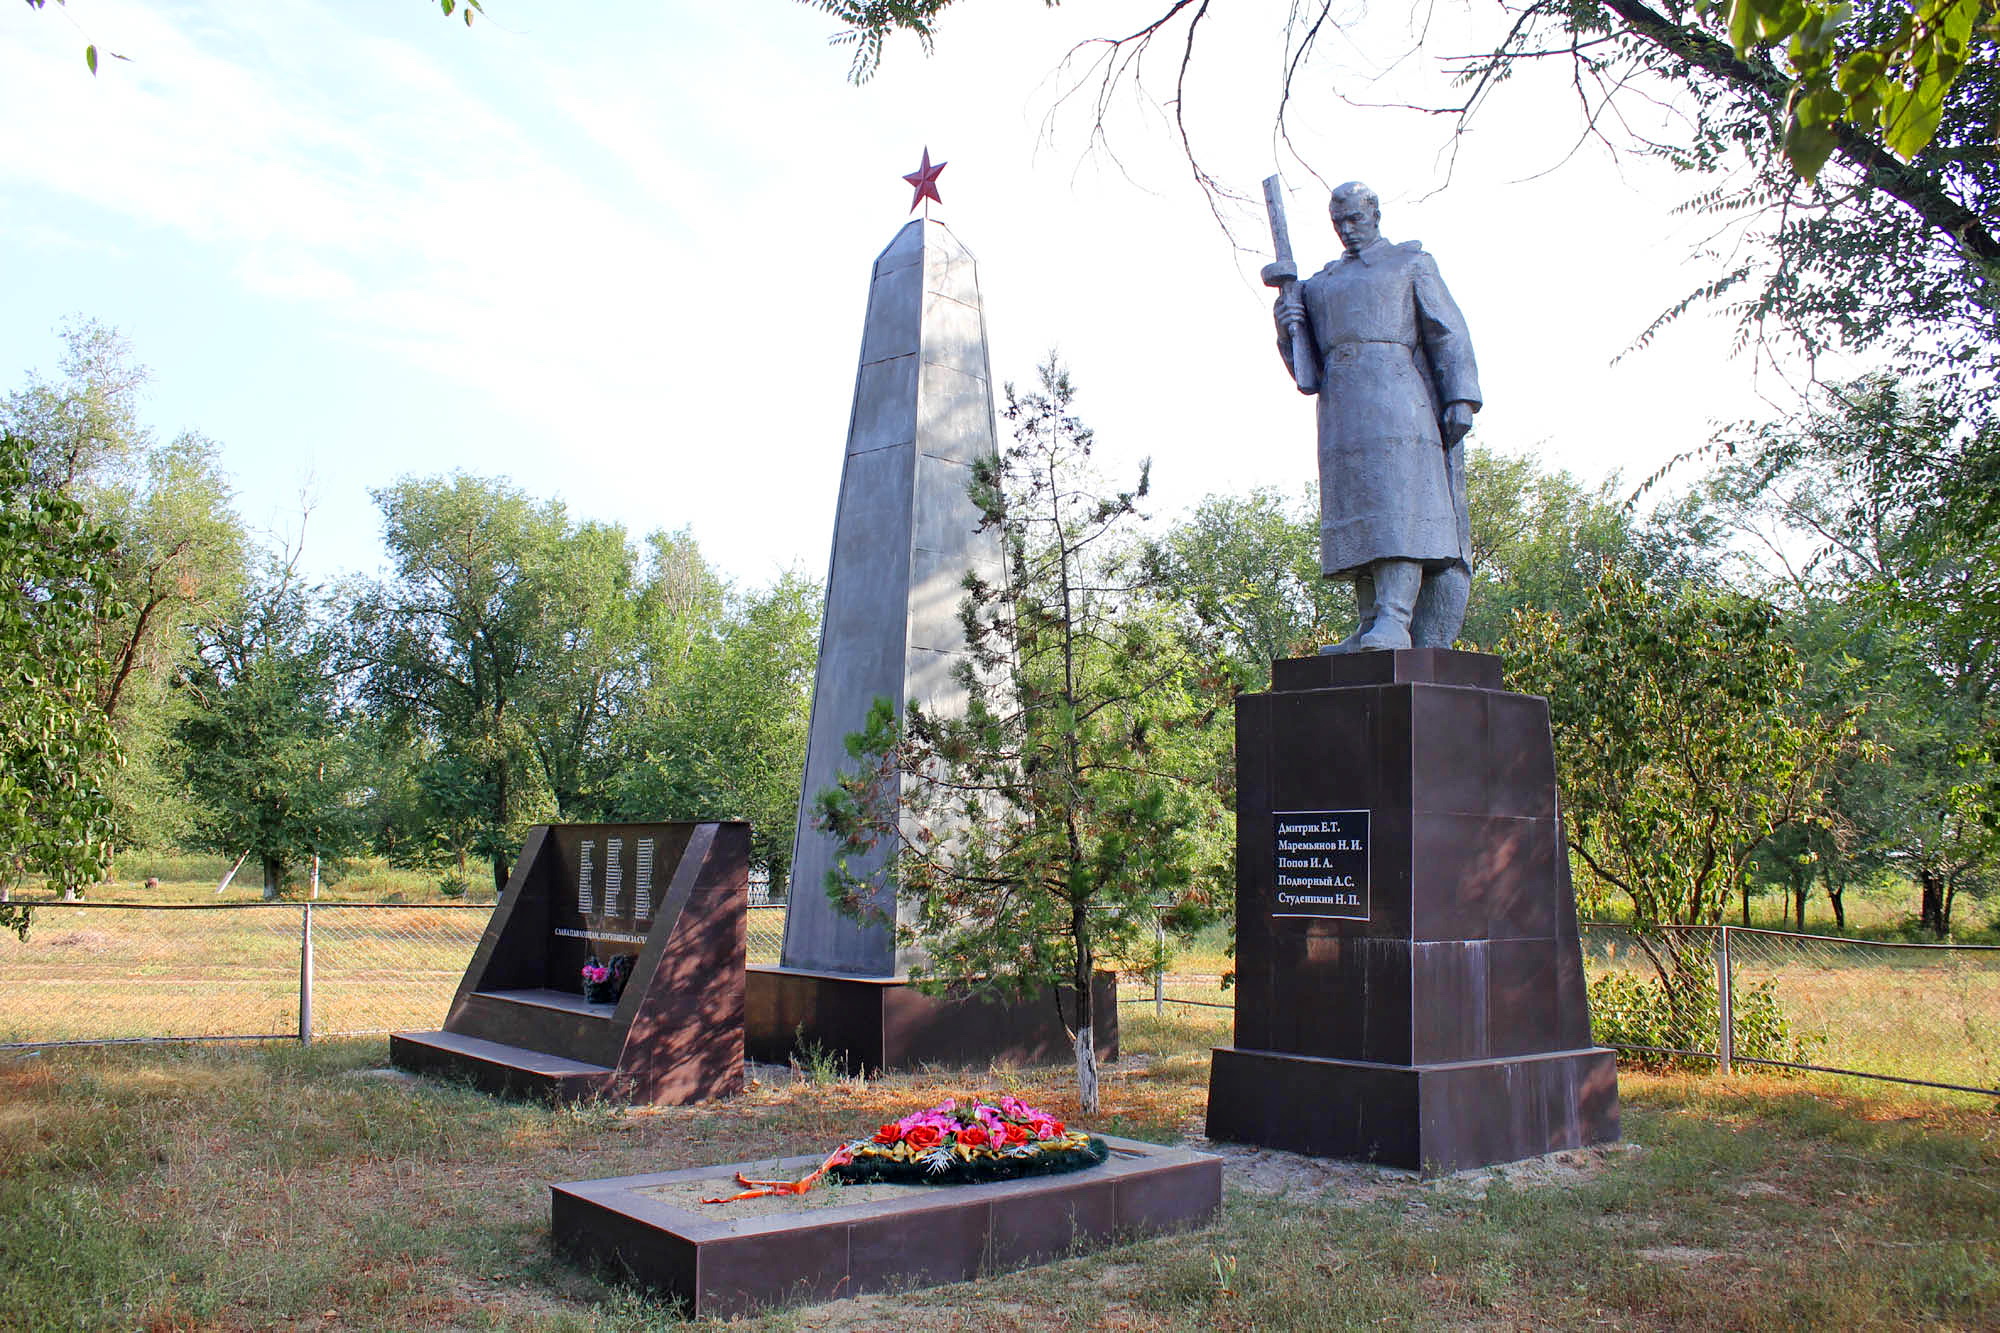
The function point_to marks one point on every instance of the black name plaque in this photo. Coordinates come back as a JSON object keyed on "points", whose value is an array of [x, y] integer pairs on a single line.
{"points": [[1322, 863]]}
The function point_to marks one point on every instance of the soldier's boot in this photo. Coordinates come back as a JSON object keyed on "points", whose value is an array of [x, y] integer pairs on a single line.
{"points": [[1364, 612], [1440, 613], [1397, 583]]}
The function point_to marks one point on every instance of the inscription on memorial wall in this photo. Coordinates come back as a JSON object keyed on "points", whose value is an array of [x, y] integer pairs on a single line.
{"points": [[601, 885], [1322, 863]]}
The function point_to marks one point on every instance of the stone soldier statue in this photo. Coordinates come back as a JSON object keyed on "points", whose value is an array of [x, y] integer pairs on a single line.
{"points": [[1379, 339]]}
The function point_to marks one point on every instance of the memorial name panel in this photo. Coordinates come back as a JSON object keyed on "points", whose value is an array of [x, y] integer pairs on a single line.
{"points": [[1321, 863], [609, 908]]}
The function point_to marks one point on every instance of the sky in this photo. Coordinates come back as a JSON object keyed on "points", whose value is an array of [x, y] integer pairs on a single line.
{"points": [[618, 253]]}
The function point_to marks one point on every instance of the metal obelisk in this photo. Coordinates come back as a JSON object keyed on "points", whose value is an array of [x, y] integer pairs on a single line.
{"points": [[904, 536]]}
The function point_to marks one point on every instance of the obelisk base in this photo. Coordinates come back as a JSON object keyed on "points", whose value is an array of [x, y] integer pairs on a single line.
{"points": [[1430, 1118], [869, 1024]]}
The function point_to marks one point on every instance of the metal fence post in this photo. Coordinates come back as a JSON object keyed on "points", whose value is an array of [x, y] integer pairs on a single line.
{"points": [[306, 976], [1725, 1003], [1159, 963]]}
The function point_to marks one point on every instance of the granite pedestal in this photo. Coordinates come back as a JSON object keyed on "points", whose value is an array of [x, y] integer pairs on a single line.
{"points": [[1409, 983], [651, 1230], [874, 1023], [671, 897]]}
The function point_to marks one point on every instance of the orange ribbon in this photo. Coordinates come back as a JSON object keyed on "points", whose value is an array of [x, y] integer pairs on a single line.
{"points": [[758, 1189]]}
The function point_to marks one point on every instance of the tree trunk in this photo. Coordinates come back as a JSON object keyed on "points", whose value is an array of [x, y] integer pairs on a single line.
{"points": [[1833, 898], [1930, 913], [1743, 891], [1944, 916], [1800, 892], [500, 872], [1086, 1069], [1086, 1037], [274, 878]]}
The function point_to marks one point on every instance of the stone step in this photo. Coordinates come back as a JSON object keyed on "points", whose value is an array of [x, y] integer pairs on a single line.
{"points": [[496, 1067], [541, 997]]}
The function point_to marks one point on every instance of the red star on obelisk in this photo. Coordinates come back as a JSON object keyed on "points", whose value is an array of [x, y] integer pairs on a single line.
{"points": [[925, 179]]}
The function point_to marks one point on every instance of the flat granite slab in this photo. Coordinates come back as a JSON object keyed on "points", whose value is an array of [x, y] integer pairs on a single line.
{"points": [[729, 1259]]}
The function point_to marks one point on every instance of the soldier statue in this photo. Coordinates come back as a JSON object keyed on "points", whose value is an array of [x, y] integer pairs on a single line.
{"points": [[1378, 338]]}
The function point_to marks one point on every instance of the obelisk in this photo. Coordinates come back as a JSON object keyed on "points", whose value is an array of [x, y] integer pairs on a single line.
{"points": [[904, 535]]}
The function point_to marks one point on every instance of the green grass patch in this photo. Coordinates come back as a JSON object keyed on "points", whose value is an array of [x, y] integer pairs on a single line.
{"points": [[279, 1186]]}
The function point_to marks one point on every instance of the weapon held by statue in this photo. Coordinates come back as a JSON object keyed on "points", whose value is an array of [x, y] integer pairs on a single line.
{"points": [[1283, 273]]}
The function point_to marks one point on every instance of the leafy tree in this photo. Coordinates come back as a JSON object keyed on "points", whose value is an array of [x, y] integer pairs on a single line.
{"points": [[1540, 538], [177, 560], [725, 737], [1033, 833], [57, 749], [1680, 747], [452, 644], [574, 691], [1870, 513], [1895, 84], [1247, 567], [265, 744]]}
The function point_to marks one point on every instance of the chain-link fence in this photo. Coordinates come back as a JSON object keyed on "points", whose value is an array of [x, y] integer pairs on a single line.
{"points": [[97, 972], [1912, 1013], [92, 972], [766, 934], [100, 973], [388, 968]]}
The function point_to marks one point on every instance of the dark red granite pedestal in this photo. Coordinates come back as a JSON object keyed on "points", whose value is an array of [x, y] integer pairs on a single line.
{"points": [[880, 1023], [670, 896], [723, 1264], [1409, 984]]}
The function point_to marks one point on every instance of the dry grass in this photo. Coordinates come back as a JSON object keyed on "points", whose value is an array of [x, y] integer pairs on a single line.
{"points": [[251, 1188]]}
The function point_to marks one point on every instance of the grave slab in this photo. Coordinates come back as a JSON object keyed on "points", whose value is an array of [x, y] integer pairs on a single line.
{"points": [[841, 1241]]}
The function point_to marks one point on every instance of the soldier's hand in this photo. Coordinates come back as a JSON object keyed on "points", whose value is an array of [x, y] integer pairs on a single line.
{"points": [[1457, 420], [1291, 313]]}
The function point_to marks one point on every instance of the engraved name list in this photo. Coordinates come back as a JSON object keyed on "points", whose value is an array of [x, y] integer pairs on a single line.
{"points": [[1322, 863]]}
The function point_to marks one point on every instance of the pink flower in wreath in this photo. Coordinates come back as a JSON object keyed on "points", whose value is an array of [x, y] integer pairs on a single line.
{"points": [[596, 974], [932, 1118], [1046, 1128]]}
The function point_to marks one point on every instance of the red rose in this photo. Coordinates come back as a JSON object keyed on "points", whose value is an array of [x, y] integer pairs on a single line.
{"points": [[1047, 1129], [923, 1137], [973, 1136], [888, 1133], [1016, 1134]]}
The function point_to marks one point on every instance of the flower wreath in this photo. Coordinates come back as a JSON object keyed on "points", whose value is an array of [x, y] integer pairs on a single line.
{"points": [[957, 1142]]}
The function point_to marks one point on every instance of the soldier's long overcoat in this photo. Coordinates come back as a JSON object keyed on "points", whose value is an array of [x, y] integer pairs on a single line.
{"points": [[1392, 350]]}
